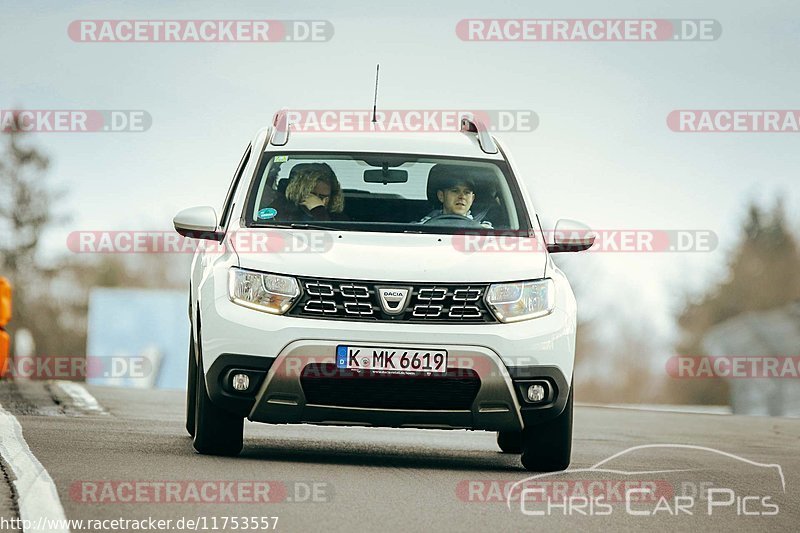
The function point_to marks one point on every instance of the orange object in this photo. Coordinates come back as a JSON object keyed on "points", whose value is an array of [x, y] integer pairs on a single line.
{"points": [[5, 316], [5, 342], [5, 301]]}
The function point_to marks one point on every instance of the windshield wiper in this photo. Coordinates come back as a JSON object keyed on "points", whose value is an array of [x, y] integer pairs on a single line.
{"points": [[303, 225], [296, 225]]}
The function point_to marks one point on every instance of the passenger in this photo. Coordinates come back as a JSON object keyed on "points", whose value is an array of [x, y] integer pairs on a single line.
{"points": [[312, 194], [456, 196]]}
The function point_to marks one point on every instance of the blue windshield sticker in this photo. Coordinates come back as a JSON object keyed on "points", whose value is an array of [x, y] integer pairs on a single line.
{"points": [[267, 213]]}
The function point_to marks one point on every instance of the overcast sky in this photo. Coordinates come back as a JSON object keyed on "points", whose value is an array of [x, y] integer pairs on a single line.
{"points": [[602, 152]]}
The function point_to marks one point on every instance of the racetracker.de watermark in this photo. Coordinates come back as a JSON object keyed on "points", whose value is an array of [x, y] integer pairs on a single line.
{"points": [[79, 367], [592, 30], [734, 121], [200, 31], [606, 241], [169, 242], [734, 366], [408, 120], [75, 120], [605, 490], [204, 491]]}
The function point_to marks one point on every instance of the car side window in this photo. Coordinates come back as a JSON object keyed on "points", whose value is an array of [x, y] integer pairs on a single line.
{"points": [[226, 208]]}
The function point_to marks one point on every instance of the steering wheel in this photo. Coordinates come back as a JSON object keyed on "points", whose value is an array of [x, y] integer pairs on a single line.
{"points": [[451, 219]]}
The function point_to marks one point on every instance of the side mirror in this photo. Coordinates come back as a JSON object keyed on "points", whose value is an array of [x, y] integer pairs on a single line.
{"points": [[197, 223], [571, 236]]}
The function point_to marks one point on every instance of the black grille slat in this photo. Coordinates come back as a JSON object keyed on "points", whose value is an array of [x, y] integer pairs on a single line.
{"points": [[324, 384], [450, 303]]}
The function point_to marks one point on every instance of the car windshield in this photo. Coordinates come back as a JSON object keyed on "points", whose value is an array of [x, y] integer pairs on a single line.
{"points": [[385, 192]]}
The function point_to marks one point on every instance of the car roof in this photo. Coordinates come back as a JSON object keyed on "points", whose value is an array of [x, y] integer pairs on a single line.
{"points": [[454, 144]]}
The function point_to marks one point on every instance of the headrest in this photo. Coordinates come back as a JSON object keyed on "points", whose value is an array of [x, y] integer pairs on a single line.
{"points": [[301, 167]]}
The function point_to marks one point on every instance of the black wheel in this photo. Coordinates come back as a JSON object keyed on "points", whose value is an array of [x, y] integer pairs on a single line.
{"points": [[191, 390], [510, 441], [216, 431], [547, 447]]}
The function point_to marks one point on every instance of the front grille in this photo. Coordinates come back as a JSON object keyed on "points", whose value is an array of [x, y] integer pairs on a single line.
{"points": [[324, 384], [359, 300]]}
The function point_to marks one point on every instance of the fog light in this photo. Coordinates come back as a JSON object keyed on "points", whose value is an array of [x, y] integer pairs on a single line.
{"points": [[536, 393], [242, 381]]}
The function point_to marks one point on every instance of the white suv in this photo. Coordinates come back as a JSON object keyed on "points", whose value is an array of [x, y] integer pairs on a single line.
{"points": [[386, 279]]}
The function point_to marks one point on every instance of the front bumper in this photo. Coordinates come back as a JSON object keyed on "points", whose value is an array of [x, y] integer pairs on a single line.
{"points": [[277, 392], [278, 348]]}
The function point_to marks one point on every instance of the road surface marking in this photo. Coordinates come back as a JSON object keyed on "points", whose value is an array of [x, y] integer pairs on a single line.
{"points": [[81, 398], [663, 408], [37, 497]]}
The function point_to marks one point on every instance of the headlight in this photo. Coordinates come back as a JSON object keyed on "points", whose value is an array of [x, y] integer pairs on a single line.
{"points": [[512, 302], [265, 292]]}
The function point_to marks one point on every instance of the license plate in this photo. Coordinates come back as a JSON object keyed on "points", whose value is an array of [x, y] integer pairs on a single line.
{"points": [[386, 358]]}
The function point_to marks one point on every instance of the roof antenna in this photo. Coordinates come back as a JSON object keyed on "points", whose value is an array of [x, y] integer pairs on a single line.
{"points": [[375, 101]]}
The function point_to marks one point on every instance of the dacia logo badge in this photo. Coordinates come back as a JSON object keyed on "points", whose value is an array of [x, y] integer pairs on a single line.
{"points": [[393, 299]]}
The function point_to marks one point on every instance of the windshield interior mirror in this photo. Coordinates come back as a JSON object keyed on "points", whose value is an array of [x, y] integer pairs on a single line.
{"points": [[386, 175]]}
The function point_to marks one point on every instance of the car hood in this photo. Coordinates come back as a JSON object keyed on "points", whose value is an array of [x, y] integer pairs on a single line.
{"points": [[373, 256]]}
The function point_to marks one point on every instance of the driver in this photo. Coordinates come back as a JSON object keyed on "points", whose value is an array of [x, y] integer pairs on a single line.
{"points": [[456, 196]]}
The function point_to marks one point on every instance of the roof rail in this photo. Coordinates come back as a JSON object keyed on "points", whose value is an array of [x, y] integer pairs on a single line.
{"points": [[280, 128], [471, 124]]}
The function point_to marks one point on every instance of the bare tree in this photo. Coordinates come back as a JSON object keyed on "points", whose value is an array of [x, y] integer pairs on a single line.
{"points": [[52, 301], [25, 200], [24, 204]]}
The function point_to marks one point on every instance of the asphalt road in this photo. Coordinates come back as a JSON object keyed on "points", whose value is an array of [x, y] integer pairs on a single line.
{"points": [[129, 457]]}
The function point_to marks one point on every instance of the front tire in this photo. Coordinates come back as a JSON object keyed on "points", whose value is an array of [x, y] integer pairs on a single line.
{"points": [[510, 441], [216, 431], [547, 447]]}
